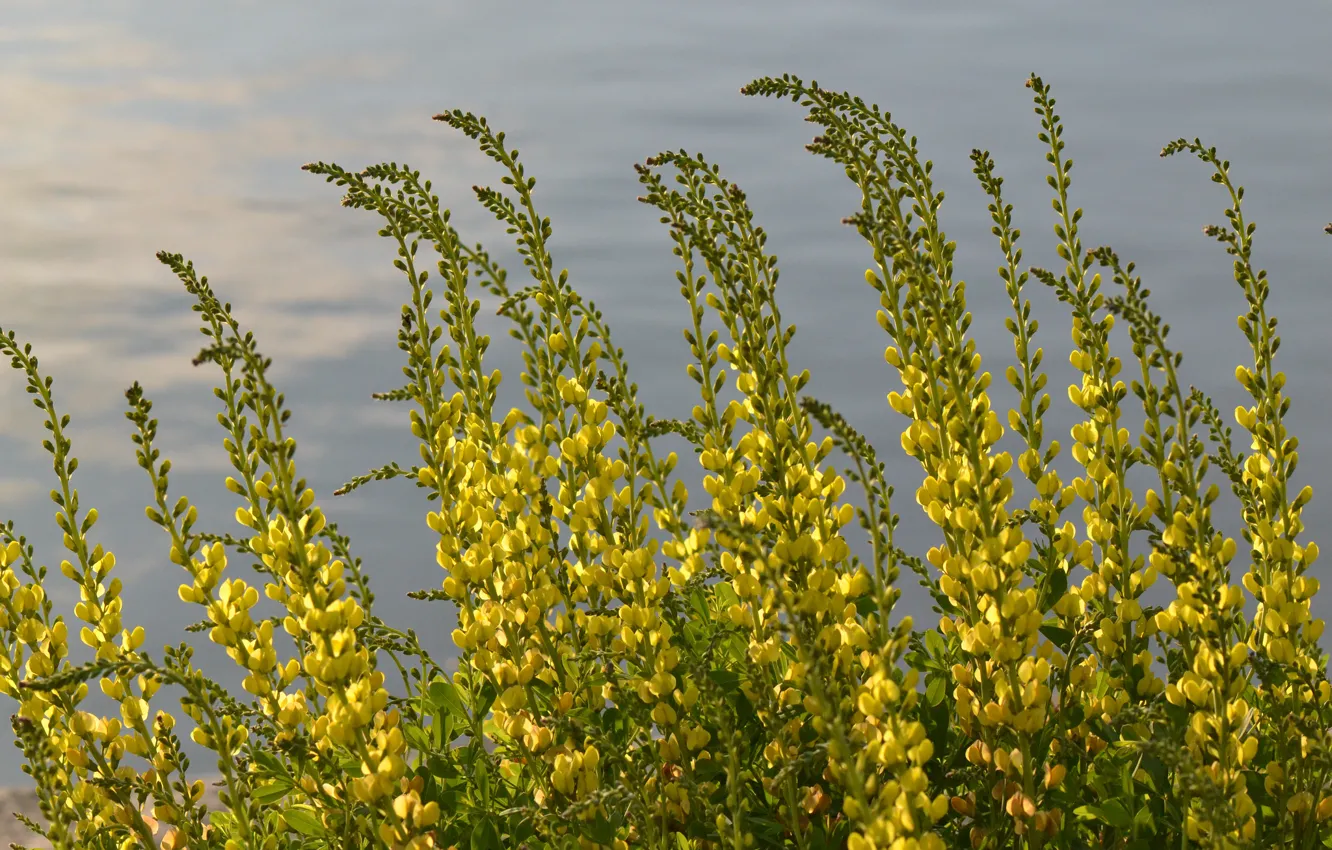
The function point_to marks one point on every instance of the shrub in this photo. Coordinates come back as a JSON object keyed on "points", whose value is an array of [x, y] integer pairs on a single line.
{"points": [[633, 674]]}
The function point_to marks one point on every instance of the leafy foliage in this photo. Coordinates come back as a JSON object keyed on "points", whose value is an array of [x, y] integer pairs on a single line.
{"points": [[636, 674]]}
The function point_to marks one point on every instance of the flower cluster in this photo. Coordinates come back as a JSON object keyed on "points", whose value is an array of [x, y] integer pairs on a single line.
{"points": [[633, 674]]}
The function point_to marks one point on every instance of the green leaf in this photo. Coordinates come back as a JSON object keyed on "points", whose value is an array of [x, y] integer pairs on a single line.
{"points": [[543, 691], [602, 831], [727, 680], [768, 832], [708, 770], [271, 792], [480, 775], [1057, 635], [495, 732], [725, 596], [866, 605], [744, 709], [1143, 819], [1053, 587], [936, 719], [304, 820], [615, 724], [439, 767], [350, 764], [485, 836], [1111, 812], [270, 763], [1158, 778], [444, 696], [935, 690], [918, 660], [417, 737], [223, 822], [484, 700], [694, 633], [698, 601], [934, 642]]}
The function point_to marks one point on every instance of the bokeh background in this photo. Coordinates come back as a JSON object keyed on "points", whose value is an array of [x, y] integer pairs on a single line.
{"points": [[131, 127]]}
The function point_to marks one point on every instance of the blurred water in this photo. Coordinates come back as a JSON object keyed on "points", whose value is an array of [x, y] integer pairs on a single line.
{"points": [[127, 128]]}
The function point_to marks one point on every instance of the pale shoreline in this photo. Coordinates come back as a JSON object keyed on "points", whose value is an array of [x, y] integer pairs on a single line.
{"points": [[23, 800]]}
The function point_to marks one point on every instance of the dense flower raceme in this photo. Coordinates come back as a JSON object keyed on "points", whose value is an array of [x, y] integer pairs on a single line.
{"points": [[632, 673]]}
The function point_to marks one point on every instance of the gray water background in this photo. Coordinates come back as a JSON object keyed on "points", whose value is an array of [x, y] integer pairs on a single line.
{"points": [[131, 127]]}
